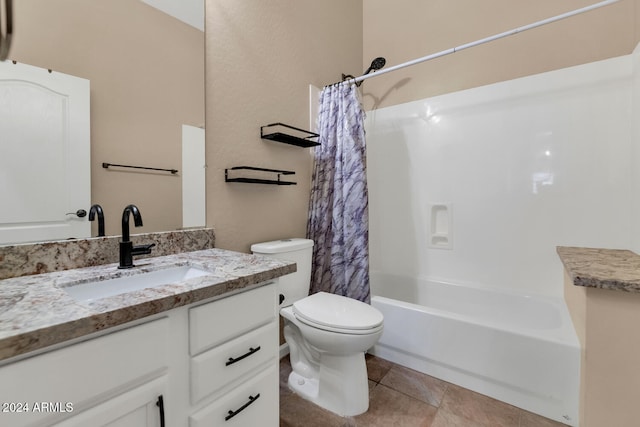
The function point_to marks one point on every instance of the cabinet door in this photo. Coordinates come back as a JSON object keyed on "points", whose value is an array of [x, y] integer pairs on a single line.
{"points": [[140, 407], [84, 374]]}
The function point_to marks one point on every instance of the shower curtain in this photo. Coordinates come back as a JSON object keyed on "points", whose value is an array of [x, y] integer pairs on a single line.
{"points": [[338, 209]]}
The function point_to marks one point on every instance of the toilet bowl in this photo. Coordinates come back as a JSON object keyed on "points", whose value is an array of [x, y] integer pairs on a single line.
{"points": [[327, 335], [327, 356]]}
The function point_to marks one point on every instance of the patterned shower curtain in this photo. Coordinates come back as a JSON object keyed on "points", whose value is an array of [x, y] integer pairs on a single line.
{"points": [[338, 210]]}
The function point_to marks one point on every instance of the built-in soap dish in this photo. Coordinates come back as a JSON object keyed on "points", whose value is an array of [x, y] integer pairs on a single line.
{"points": [[440, 226]]}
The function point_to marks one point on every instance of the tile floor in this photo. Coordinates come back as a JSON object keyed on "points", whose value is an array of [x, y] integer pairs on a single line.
{"points": [[405, 398]]}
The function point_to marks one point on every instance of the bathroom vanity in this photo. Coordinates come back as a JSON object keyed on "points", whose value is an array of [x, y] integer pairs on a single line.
{"points": [[200, 351]]}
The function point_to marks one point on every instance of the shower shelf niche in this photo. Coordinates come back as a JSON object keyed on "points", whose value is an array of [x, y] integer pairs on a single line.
{"points": [[300, 138], [258, 180]]}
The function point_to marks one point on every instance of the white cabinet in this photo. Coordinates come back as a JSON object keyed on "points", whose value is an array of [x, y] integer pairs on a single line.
{"points": [[140, 407], [65, 382], [234, 364], [203, 362], [219, 321], [254, 403]]}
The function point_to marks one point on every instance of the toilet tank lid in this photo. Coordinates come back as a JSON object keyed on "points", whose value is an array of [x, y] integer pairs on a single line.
{"points": [[281, 246]]}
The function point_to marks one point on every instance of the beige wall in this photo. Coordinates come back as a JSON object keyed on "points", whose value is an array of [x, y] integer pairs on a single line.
{"points": [[261, 58], [408, 29], [147, 79], [576, 299], [606, 322], [260, 61]]}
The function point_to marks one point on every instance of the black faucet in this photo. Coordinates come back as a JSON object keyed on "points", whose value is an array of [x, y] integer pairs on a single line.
{"points": [[97, 209], [127, 250]]}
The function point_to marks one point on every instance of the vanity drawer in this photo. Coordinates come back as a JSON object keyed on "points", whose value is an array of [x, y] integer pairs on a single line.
{"points": [[254, 403], [232, 361], [219, 321]]}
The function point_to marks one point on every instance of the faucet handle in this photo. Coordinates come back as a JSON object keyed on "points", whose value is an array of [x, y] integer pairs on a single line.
{"points": [[142, 249]]}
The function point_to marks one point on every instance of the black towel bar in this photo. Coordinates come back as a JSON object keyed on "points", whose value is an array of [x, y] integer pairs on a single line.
{"points": [[106, 166]]}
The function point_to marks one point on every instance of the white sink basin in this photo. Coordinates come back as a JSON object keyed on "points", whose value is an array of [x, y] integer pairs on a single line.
{"points": [[106, 288]]}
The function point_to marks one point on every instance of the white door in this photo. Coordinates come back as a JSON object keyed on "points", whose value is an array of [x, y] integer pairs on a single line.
{"points": [[194, 208], [45, 175]]}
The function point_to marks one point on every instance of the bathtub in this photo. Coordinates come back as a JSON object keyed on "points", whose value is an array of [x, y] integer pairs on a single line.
{"points": [[516, 348]]}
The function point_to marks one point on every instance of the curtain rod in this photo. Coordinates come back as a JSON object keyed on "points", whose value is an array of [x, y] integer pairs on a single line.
{"points": [[481, 41]]}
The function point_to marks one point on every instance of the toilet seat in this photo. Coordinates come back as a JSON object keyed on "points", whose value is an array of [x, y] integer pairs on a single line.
{"points": [[337, 313]]}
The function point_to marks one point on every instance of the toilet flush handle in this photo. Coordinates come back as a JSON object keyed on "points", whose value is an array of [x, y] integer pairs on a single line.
{"points": [[281, 298]]}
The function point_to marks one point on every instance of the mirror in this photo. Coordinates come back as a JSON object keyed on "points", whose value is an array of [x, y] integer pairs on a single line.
{"points": [[146, 71]]}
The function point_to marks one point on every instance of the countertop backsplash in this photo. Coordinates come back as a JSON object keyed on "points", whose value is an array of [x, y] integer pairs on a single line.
{"points": [[45, 257]]}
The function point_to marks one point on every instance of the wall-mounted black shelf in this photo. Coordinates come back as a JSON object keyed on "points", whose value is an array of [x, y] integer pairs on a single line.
{"points": [[308, 139], [251, 180]]}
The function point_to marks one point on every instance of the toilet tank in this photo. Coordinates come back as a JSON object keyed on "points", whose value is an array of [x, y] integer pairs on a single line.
{"points": [[294, 286]]}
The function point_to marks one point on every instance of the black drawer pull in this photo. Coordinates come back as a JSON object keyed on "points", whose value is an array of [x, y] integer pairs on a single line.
{"points": [[160, 405], [231, 360], [242, 408]]}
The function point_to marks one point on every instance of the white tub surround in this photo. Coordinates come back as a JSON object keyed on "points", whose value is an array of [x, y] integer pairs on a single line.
{"points": [[602, 290], [519, 349], [523, 165]]}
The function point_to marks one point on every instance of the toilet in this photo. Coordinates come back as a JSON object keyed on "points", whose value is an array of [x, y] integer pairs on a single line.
{"points": [[327, 334]]}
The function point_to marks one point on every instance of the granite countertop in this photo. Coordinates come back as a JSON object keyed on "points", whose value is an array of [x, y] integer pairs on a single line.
{"points": [[36, 311], [613, 269]]}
